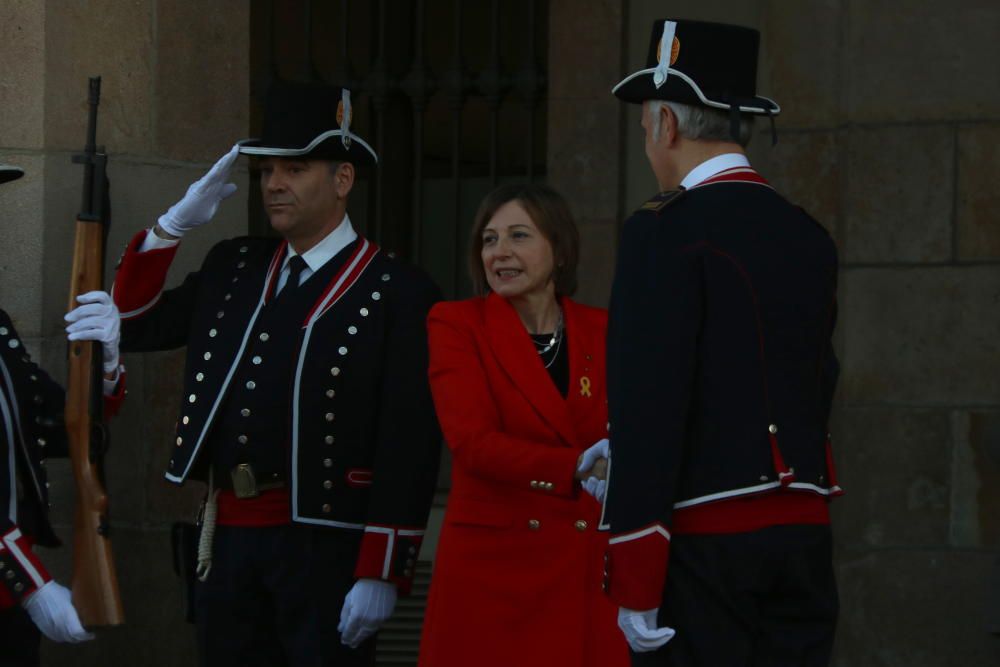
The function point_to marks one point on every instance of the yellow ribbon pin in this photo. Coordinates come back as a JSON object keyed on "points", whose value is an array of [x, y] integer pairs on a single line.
{"points": [[585, 386]]}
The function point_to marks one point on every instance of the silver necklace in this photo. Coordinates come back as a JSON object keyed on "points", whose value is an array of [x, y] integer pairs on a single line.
{"points": [[555, 341]]}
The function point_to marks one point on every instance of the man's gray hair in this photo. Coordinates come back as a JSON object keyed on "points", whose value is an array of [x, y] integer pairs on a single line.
{"points": [[698, 122]]}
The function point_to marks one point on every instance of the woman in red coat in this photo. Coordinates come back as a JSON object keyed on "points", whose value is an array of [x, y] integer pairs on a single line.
{"points": [[519, 386]]}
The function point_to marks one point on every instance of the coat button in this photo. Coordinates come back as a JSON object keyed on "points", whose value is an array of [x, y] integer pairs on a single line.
{"points": [[327, 484], [3, 331], [212, 333], [386, 277], [245, 412], [549, 486], [328, 416], [330, 393], [257, 360], [185, 420], [763, 478], [180, 441], [773, 429], [18, 587], [364, 312], [352, 330], [13, 343], [228, 297], [327, 463], [335, 371], [534, 483], [251, 385], [376, 296], [241, 265], [42, 442], [242, 439], [192, 398], [534, 524], [243, 250], [10, 574], [207, 356], [580, 525], [328, 439], [327, 509], [199, 377], [342, 351], [220, 314], [265, 337]]}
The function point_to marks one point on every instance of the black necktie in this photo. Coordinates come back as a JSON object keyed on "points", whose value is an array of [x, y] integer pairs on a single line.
{"points": [[295, 267]]}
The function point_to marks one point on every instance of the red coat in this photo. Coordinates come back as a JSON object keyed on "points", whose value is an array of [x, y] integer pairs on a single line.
{"points": [[518, 571]]}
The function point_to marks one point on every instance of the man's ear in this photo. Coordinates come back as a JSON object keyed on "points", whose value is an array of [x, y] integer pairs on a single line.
{"points": [[344, 177], [668, 125]]}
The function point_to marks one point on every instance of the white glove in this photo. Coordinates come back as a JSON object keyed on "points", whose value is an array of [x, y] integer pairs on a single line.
{"points": [[367, 605], [97, 319], [595, 487], [203, 197], [51, 609], [640, 630], [598, 450]]}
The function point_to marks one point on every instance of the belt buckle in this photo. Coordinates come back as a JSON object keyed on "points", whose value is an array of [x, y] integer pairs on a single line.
{"points": [[244, 481]]}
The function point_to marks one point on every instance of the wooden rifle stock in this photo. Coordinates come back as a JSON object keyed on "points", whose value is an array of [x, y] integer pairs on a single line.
{"points": [[95, 584]]}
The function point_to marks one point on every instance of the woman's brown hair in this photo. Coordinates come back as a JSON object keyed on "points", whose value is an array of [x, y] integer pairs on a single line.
{"points": [[550, 213]]}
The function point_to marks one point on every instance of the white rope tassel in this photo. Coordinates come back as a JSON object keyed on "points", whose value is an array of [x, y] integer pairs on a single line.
{"points": [[207, 533], [666, 48], [345, 120]]}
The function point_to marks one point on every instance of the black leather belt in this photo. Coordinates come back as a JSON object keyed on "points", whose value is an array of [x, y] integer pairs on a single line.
{"points": [[245, 482]]}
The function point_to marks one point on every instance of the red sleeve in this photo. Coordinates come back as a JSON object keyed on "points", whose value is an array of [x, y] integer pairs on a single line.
{"points": [[140, 277], [471, 422], [21, 573], [389, 553]]}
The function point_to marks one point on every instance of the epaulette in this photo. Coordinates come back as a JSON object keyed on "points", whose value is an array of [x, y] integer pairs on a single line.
{"points": [[661, 201]]}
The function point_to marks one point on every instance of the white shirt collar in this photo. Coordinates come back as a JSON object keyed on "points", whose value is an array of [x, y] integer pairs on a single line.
{"points": [[713, 166], [325, 250]]}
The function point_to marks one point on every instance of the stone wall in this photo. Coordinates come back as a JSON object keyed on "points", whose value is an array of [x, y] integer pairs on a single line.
{"points": [[175, 95], [888, 136]]}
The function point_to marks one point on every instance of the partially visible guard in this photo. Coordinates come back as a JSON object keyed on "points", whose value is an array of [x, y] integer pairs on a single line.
{"points": [[32, 430]]}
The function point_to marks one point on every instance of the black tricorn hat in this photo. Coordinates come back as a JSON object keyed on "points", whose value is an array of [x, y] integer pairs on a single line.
{"points": [[702, 64], [309, 121], [10, 173]]}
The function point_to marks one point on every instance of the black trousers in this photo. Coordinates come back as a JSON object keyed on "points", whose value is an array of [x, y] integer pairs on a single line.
{"points": [[273, 598], [761, 599], [19, 639]]}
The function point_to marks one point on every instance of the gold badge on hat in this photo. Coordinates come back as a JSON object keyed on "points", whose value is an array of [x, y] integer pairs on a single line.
{"points": [[675, 50], [340, 114]]}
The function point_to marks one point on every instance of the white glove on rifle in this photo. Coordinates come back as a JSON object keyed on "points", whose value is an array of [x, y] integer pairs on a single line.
{"points": [[97, 319], [367, 605], [640, 630], [51, 609], [203, 197]]}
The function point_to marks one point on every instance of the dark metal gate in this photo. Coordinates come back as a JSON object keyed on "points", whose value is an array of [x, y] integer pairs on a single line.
{"points": [[450, 93]]}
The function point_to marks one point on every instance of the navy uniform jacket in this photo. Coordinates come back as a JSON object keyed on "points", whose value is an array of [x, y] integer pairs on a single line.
{"points": [[364, 441], [31, 430], [720, 366]]}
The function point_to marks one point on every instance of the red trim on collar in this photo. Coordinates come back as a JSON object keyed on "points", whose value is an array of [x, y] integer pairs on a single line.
{"points": [[734, 175]]}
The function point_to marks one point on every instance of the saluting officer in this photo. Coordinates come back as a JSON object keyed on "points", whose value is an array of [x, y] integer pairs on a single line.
{"points": [[306, 404], [721, 375], [32, 430]]}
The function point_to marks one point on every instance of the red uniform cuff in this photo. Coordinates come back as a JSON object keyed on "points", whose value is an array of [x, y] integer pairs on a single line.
{"points": [[21, 573], [635, 567], [140, 277], [389, 553], [113, 402]]}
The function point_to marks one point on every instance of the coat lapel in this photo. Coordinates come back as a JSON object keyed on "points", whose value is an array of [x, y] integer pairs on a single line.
{"points": [[517, 356]]}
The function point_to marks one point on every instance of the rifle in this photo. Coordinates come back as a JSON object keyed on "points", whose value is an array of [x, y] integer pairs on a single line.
{"points": [[95, 584]]}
